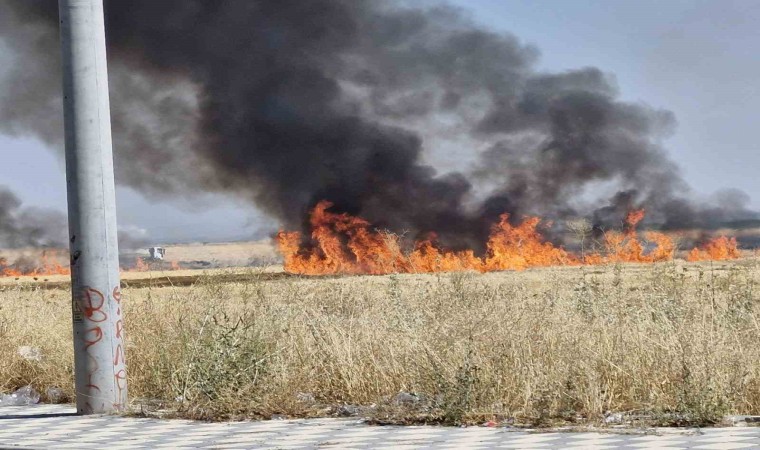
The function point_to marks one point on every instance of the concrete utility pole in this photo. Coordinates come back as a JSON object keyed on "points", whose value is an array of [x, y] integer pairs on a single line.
{"points": [[100, 374]]}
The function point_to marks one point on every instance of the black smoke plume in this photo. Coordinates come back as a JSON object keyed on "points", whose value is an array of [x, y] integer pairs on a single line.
{"points": [[22, 226], [289, 102]]}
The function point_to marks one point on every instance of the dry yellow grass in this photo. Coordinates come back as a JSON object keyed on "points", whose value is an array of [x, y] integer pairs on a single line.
{"points": [[226, 254], [563, 343], [134, 276]]}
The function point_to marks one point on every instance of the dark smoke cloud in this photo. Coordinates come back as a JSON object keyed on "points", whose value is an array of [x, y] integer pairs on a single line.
{"points": [[22, 226], [290, 102], [28, 226]]}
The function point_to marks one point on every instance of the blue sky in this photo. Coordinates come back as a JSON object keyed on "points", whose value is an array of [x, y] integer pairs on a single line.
{"points": [[696, 58]]}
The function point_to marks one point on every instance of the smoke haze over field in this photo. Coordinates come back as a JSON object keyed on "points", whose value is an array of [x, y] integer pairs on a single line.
{"points": [[22, 226], [27, 226], [290, 102]]}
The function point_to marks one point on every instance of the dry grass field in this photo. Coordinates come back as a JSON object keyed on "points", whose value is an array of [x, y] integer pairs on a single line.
{"points": [[672, 342], [232, 254]]}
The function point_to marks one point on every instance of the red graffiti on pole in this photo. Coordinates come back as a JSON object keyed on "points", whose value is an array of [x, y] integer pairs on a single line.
{"points": [[92, 337], [92, 305], [94, 367], [120, 377]]}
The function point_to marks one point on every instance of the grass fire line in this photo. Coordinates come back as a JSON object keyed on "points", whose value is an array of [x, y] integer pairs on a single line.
{"points": [[345, 244], [348, 245], [49, 264]]}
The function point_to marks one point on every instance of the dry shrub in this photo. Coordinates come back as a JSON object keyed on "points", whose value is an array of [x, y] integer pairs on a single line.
{"points": [[678, 342]]}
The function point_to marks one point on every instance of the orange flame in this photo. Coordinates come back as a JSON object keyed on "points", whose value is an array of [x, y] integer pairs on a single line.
{"points": [[343, 244], [633, 218], [8, 271], [628, 247], [141, 265], [720, 248], [47, 265], [519, 247]]}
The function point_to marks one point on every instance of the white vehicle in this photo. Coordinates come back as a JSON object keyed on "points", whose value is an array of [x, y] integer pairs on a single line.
{"points": [[157, 253]]}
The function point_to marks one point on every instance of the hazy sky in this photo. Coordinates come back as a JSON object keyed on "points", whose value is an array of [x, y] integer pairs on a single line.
{"points": [[698, 59]]}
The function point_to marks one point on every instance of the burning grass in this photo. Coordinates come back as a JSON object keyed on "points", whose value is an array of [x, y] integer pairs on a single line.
{"points": [[720, 248], [680, 342], [48, 263], [344, 244], [53, 263]]}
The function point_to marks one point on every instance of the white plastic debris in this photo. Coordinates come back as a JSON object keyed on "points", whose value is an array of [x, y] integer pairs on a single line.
{"points": [[22, 397], [30, 353], [613, 417], [306, 397], [405, 398]]}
